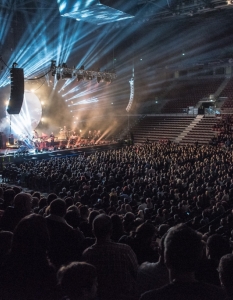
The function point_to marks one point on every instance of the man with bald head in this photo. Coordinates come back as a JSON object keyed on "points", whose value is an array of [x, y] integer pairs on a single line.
{"points": [[116, 264]]}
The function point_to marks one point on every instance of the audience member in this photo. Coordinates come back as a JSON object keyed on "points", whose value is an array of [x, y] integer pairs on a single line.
{"points": [[26, 273], [65, 242], [78, 281], [153, 275], [183, 250], [225, 270], [116, 264]]}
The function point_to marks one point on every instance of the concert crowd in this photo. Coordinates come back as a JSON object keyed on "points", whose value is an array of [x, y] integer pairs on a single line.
{"points": [[151, 221]]}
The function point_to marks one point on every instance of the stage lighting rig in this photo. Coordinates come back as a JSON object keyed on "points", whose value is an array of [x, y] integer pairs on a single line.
{"points": [[62, 71], [89, 75], [80, 77], [53, 67], [99, 78], [14, 65]]}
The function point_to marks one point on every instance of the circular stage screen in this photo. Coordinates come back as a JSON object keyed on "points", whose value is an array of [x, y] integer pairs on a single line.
{"points": [[29, 117]]}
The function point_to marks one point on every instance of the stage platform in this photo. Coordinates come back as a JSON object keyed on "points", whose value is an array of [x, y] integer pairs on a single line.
{"points": [[14, 155]]}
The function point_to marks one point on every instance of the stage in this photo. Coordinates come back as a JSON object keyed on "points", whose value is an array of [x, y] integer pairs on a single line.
{"points": [[16, 156]]}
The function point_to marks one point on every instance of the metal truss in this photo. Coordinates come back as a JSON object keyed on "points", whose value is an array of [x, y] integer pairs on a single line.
{"points": [[66, 73], [176, 8]]}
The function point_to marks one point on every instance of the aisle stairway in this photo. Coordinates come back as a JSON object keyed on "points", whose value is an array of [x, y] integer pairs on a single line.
{"points": [[202, 131], [188, 129]]}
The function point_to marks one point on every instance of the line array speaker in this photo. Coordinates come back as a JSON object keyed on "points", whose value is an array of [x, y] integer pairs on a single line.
{"points": [[17, 91]]}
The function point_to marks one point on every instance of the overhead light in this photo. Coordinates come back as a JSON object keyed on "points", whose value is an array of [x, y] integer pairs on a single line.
{"points": [[80, 77], [53, 64], [99, 79], [88, 76], [108, 79], [67, 75], [14, 65]]}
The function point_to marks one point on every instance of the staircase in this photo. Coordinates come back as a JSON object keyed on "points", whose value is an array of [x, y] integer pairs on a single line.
{"points": [[202, 131], [188, 129]]}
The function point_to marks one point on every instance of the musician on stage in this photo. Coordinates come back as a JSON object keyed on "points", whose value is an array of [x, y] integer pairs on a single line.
{"points": [[66, 133], [35, 135], [52, 137]]}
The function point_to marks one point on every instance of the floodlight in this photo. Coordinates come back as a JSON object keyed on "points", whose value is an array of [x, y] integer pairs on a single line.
{"points": [[99, 79], [108, 79], [67, 75], [79, 77]]}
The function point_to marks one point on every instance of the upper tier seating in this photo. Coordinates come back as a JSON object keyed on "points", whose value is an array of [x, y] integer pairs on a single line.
{"points": [[186, 93], [160, 128]]}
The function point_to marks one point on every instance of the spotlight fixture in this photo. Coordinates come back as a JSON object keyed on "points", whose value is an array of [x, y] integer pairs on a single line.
{"points": [[108, 79], [81, 74], [53, 67], [53, 64], [88, 76], [80, 77], [67, 75], [99, 79], [14, 65]]}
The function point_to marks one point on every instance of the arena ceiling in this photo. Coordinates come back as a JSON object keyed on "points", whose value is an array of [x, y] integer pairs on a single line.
{"points": [[160, 33], [143, 8]]}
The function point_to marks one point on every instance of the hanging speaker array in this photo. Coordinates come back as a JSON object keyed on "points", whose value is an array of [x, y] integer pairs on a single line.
{"points": [[17, 91]]}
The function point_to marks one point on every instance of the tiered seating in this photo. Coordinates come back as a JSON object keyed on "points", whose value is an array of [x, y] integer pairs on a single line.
{"points": [[227, 107], [187, 93], [160, 128], [202, 132]]}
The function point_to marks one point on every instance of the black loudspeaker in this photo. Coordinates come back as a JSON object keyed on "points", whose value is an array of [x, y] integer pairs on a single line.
{"points": [[17, 91]]}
